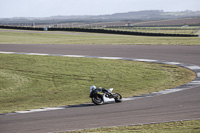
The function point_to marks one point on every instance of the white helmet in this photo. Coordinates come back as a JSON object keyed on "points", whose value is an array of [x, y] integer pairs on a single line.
{"points": [[92, 88]]}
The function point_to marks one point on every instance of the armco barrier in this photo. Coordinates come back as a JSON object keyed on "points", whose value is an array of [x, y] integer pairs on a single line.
{"points": [[100, 31]]}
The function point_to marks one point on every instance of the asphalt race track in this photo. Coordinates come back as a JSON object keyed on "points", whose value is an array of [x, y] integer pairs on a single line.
{"points": [[182, 105]]}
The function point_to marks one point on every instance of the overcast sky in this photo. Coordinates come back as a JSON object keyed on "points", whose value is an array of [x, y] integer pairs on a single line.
{"points": [[46, 8]]}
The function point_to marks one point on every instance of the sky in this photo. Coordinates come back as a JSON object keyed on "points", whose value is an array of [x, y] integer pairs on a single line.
{"points": [[47, 8]]}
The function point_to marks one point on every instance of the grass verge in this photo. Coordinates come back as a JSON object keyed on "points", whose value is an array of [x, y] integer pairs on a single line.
{"points": [[29, 82], [166, 30], [171, 127], [49, 37]]}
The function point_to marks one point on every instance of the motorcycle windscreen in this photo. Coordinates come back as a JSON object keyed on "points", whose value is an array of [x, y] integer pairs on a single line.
{"points": [[108, 100]]}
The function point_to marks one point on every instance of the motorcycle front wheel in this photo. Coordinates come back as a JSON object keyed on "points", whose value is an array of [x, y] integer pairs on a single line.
{"points": [[118, 98], [97, 100]]}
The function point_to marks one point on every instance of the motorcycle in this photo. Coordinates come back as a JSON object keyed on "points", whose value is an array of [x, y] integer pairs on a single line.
{"points": [[101, 96]]}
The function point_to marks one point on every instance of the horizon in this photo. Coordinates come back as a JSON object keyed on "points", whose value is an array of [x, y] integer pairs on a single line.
{"points": [[47, 8], [103, 14]]}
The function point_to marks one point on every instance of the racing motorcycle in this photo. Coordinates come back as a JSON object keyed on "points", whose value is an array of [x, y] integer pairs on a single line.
{"points": [[101, 96]]}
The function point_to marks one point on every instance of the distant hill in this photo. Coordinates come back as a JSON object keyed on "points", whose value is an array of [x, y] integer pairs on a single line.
{"points": [[170, 22], [147, 15], [152, 15]]}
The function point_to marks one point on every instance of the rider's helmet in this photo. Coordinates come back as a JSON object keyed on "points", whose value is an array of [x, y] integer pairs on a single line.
{"points": [[92, 88]]}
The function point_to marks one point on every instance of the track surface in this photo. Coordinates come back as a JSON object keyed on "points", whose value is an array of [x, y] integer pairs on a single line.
{"points": [[176, 106]]}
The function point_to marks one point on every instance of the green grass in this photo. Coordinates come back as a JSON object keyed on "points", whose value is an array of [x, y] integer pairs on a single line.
{"points": [[28, 82], [171, 127], [14, 37], [166, 30]]}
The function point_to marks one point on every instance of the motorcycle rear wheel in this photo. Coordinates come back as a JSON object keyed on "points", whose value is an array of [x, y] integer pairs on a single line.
{"points": [[97, 100]]}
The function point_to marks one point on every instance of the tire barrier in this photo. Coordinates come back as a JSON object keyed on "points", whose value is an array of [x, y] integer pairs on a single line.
{"points": [[99, 31], [21, 28]]}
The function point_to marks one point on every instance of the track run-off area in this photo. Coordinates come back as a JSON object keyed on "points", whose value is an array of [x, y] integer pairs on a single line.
{"points": [[176, 106]]}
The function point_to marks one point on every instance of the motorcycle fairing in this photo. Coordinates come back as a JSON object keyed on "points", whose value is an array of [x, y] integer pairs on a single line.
{"points": [[108, 100]]}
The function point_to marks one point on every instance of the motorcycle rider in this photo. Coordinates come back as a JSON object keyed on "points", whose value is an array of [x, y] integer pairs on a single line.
{"points": [[100, 95], [99, 88]]}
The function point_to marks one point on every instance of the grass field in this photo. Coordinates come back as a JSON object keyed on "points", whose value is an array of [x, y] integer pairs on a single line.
{"points": [[31, 37], [171, 127], [166, 30], [29, 82]]}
